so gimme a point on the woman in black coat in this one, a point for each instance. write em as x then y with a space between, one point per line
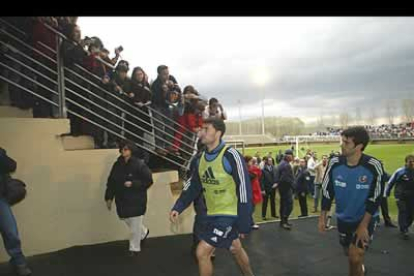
128 182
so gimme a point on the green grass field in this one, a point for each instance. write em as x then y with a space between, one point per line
392 155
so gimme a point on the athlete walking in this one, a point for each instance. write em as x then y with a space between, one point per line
355 181
221 174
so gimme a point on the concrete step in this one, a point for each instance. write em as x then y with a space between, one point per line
82 142
14 112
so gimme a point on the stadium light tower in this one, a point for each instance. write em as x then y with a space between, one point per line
261 77
240 119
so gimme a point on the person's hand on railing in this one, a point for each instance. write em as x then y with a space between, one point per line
118 89
131 95
140 104
105 79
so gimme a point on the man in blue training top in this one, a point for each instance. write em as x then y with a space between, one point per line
221 175
355 181
403 179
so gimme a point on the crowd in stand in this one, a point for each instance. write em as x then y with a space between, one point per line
401 130
125 105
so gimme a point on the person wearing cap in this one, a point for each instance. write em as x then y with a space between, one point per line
221 175
285 181
128 183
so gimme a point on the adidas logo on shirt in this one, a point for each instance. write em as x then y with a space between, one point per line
208 177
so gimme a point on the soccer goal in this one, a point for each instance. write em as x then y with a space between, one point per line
302 143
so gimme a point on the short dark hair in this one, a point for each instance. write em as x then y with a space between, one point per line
410 156
217 123
161 68
212 101
358 134
247 158
190 89
68 30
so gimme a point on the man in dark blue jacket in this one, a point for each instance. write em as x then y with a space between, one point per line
221 175
284 182
301 187
403 180
8 225
267 182
355 181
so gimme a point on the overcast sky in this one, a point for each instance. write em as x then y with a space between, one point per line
302 66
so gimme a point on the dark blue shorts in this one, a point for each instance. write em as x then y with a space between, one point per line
347 232
219 232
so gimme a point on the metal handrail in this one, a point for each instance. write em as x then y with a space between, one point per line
26 56
125 102
26 77
149 107
120 136
103 118
27 90
31 48
123 119
108 111
13 27
31 69
46 47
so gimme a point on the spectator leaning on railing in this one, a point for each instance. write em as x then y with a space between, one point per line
215 110
94 65
190 117
44 38
120 85
160 91
73 53
139 96
104 55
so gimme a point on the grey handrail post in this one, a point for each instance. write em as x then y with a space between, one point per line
61 79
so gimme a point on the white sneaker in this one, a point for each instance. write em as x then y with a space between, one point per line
255 226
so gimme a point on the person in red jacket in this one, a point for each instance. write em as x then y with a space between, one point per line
189 119
255 176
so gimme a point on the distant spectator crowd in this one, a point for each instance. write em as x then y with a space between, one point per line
401 130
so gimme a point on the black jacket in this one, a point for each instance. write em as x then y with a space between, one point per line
132 201
285 176
158 97
7 166
72 53
268 178
302 180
